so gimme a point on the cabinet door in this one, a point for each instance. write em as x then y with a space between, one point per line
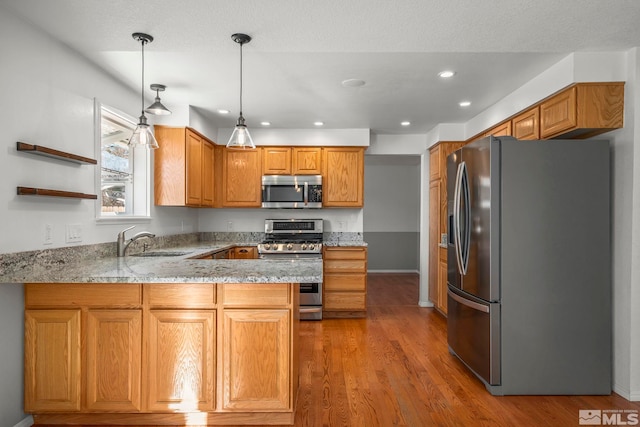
503 129
245 252
558 113
180 359
434 163
207 173
256 359
194 169
276 161
526 126
307 161
343 184
442 286
241 178
52 361
113 356
434 239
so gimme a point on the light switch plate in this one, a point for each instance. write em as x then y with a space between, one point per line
74 233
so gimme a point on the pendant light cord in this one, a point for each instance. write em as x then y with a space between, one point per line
142 90
241 79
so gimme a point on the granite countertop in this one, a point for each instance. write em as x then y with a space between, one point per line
174 267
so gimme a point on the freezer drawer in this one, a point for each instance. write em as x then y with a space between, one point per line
473 334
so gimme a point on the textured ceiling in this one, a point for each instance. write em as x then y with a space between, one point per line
302 50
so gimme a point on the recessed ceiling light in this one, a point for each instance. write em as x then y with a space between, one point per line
223 111
353 83
405 123
318 123
446 74
464 103
265 123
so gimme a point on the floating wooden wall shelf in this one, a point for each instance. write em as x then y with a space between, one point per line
50 152
30 191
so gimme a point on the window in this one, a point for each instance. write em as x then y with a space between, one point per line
124 170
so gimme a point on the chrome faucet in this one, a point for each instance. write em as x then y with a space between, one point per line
122 245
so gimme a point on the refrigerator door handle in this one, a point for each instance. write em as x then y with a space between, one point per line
466 242
456 218
471 304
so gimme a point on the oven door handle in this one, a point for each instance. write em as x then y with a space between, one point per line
311 310
306 193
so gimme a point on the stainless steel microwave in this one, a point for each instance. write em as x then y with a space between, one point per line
292 191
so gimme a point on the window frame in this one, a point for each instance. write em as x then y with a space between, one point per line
141 159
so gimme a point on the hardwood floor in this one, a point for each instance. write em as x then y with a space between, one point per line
394 369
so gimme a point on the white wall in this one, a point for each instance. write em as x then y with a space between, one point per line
48 99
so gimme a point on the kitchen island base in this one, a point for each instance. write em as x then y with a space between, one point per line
161 353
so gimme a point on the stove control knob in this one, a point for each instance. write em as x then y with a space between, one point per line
289 246
304 246
267 246
312 246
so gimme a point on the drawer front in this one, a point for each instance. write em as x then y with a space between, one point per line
345 253
345 266
344 301
345 282
180 295
109 295
255 294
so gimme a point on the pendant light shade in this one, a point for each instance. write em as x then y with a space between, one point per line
240 138
157 108
142 134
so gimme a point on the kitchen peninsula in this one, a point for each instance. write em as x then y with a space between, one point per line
162 338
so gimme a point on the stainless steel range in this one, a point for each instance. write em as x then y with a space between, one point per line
295 239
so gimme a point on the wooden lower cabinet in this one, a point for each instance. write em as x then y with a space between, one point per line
180 360
344 281
113 364
52 373
256 359
148 354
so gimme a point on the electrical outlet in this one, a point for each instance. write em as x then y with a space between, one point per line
229 225
341 225
74 233
47 237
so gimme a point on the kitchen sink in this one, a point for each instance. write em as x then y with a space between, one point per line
160 253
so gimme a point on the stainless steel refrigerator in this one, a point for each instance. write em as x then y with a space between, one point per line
529 265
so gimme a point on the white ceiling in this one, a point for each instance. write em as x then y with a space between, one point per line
302 50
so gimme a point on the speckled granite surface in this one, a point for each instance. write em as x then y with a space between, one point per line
98 264
343 239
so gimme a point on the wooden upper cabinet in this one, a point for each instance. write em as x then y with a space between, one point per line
291 160
583 110
527 125
240 185
183 164
503 129
434 163
343 176
276 160
307 161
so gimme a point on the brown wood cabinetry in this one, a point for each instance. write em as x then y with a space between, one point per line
245 252
291 160
526 126
582 111
132 354
183 168
343 176
438 221
276 160
238 178
503 129
344 281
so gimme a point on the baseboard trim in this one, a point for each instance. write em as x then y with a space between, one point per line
632 396
394 271
27 422
427 304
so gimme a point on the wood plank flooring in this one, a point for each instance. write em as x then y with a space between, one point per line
394 369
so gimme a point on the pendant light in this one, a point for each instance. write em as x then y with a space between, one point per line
240 138
142 135
157 108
